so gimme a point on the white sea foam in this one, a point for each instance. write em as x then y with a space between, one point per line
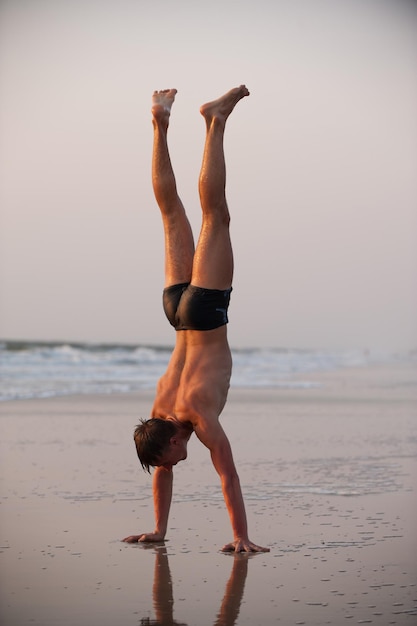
39 370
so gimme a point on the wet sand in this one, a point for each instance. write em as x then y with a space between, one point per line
328 475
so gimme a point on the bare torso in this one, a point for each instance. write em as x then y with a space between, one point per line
195 385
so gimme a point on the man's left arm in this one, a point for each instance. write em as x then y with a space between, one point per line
214 438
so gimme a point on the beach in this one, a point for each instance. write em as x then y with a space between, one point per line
328 474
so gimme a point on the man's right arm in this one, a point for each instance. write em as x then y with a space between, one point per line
162 496
212 435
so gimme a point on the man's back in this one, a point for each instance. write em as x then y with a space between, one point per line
196 382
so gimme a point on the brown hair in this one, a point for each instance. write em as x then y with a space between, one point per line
151 437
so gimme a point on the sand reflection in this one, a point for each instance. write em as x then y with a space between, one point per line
163 597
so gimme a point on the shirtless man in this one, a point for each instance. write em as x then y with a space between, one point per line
198 282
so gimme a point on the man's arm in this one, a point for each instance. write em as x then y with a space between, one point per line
214 437
162 495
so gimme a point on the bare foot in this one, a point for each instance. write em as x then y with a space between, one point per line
162 102
222 107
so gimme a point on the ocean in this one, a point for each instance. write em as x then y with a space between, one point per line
47 369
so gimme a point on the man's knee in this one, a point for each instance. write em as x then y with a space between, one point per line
218 218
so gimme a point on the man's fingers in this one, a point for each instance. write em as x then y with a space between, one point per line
229 547
151 538
132 539
143 538
254 548
238 546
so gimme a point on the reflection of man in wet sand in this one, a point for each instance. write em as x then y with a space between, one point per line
163 597
193 391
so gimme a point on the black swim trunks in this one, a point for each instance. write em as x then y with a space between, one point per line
194 308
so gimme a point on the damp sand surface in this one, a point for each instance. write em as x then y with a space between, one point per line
328 475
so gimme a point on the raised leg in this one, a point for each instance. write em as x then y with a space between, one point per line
179 242
213 259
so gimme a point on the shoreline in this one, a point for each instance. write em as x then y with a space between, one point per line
64 371
377 375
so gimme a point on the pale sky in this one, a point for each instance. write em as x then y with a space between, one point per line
321 158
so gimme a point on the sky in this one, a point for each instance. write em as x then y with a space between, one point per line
321 166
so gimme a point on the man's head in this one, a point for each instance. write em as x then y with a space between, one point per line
158 443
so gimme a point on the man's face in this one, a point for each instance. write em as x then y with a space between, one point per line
173 454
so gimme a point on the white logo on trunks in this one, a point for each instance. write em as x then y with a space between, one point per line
223 311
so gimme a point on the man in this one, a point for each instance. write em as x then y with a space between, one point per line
198 282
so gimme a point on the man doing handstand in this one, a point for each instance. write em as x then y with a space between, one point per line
198 282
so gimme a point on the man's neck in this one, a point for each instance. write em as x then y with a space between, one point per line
184 428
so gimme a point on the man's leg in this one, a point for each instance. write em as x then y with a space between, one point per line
179 242
213 259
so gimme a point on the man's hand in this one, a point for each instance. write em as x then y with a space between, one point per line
243 546
144 537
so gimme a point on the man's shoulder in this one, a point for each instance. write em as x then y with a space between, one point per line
197 417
